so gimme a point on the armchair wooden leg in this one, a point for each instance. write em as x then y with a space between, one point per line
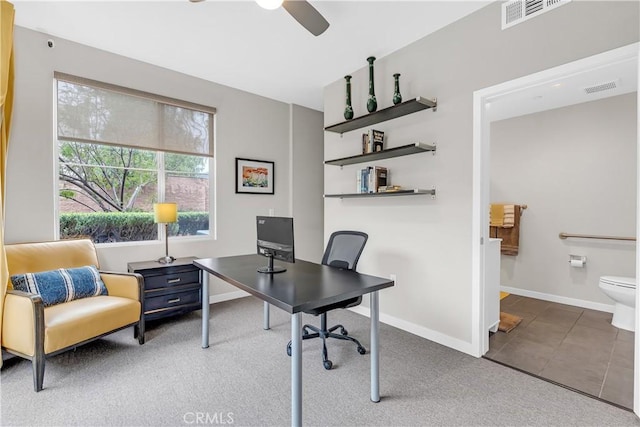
38 371
37 363
139 331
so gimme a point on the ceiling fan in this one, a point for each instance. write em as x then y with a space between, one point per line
301 10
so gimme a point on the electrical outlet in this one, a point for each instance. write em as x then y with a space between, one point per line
271 212
393 277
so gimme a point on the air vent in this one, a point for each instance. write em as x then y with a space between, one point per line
517 11
602 87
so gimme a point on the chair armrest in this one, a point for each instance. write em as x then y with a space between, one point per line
22 322
126 285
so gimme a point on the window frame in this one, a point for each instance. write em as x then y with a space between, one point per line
160 167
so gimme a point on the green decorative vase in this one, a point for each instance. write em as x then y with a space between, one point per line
397 98
348 110
372 103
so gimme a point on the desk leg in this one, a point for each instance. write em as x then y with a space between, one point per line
265 324
296 369
375 355
205 309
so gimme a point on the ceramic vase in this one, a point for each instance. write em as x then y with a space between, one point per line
348 110
372 103
397 98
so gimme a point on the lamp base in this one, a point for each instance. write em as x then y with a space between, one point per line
166 259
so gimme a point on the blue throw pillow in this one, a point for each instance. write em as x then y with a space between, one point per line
61 285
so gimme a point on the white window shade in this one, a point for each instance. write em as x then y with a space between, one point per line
95 112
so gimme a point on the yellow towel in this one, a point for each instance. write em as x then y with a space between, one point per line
502 215
497 215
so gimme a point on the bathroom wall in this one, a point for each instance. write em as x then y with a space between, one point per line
575 169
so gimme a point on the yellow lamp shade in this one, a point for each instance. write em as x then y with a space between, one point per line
165 212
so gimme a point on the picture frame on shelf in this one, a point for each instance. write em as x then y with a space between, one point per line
254 176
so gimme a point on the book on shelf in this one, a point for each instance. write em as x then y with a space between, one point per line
389 188
365 180
371 178
365 143
372 141
376 140
381 177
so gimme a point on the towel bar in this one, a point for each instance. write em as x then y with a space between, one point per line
590 236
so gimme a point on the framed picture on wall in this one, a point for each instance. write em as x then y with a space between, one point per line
254 176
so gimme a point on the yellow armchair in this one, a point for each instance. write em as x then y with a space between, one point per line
33 331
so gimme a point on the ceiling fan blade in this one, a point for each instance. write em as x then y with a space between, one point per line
306 15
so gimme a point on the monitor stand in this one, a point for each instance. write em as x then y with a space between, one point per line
269 268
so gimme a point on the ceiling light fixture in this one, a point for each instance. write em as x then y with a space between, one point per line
269 4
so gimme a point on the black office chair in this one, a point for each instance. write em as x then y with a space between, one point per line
343 251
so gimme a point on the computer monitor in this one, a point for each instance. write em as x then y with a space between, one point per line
275 240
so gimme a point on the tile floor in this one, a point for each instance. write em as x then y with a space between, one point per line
573 346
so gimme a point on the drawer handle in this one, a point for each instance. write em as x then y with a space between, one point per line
173 300
173 280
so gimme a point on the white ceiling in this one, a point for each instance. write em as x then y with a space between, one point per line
567 91
239 44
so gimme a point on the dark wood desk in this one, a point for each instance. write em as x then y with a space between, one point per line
305 285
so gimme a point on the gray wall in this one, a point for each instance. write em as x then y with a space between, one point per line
427 243
32 177
307 186
575 168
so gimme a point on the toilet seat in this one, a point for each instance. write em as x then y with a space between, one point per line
623 282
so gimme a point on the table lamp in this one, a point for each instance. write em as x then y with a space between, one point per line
165 213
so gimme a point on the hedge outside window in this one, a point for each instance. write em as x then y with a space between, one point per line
122 150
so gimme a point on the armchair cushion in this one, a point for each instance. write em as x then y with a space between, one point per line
61 285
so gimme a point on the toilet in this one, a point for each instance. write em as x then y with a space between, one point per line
623 291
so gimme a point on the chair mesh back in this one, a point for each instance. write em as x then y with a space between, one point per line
344 249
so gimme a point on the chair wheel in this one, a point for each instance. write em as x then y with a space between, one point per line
289 350
328 364
362 350
344 332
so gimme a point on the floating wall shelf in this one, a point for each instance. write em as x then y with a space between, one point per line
404 150
414 192
395 111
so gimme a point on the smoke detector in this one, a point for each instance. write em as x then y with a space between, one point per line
517 11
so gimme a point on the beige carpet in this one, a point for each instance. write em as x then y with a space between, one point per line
243 379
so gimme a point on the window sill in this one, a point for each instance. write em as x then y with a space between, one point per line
196 238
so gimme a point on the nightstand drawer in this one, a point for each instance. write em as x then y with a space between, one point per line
169 289
168 280
176 299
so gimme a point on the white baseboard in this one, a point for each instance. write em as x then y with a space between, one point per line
227 296
420 331
608 308
412 328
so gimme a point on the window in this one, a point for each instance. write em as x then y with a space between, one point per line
120 151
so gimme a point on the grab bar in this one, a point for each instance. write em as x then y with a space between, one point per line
589 236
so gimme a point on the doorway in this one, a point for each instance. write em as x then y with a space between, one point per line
482 104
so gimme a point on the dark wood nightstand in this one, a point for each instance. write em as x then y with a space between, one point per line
169 289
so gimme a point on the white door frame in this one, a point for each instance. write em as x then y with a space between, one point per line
481 178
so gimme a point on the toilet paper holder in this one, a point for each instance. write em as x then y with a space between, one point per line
577 260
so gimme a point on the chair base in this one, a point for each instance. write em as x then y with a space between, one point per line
324 333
